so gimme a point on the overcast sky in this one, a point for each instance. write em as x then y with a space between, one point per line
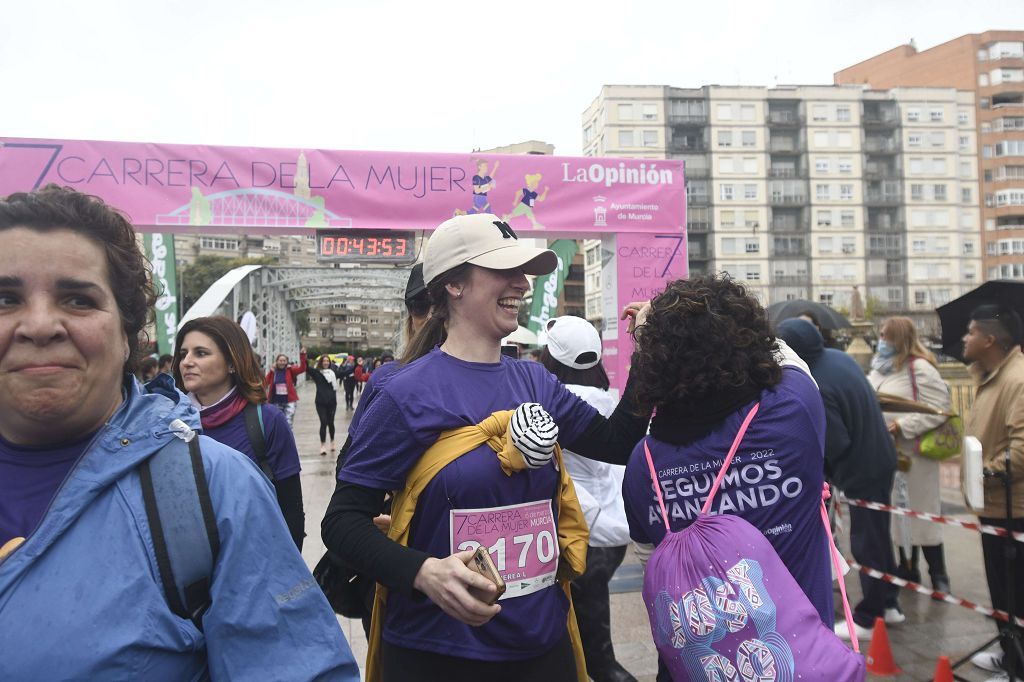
417 76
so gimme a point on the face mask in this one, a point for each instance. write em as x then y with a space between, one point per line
885 349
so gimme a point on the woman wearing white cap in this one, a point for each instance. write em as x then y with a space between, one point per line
456 378
573 355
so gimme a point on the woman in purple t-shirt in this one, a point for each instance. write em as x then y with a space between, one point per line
454 376
704 356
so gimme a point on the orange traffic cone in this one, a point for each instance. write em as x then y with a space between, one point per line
943 670
879 658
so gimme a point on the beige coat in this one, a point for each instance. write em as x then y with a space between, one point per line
923 478
996 418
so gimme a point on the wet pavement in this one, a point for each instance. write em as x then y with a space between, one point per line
932 628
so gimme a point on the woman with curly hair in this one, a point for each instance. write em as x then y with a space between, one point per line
705 356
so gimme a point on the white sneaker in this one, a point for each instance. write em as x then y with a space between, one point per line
989 660
893 616
842 631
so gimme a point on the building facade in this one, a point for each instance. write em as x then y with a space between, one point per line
991 65
811 191
344 326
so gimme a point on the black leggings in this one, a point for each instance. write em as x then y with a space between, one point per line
326 414
399 664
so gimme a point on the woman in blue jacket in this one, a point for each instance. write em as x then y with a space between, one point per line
81 593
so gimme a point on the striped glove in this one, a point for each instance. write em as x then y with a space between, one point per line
534 433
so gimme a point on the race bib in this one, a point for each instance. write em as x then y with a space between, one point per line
521 538
280 389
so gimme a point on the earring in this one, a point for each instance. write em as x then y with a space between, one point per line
459 295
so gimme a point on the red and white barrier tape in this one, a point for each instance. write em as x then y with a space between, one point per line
935 518
935 594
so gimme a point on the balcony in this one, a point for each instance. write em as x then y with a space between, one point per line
877 198
791 252
880 173
688 146
791 280
893 226
698 227
697 200
785 146
700 254
787 172
787 199
874 119
696 171
885 251
687 119
877 145
784 119
796 228
889 278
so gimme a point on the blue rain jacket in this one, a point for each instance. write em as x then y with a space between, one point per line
81 599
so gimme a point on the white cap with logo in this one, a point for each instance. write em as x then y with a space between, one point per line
573 341
482 239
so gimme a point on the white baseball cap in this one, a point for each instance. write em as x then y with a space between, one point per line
482 239
573 342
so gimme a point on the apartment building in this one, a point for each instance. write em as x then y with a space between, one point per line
991 65
810 191
350 325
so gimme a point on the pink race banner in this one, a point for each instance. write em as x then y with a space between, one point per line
190 188
644 264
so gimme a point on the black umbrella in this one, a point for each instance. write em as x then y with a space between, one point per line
956 315
827 317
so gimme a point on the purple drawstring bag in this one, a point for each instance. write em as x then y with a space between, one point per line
724 608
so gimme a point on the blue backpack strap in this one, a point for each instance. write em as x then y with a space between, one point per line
257 437
183 526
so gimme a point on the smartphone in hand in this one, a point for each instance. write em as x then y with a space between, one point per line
481 563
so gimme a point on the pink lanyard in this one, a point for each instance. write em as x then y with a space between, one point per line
825 494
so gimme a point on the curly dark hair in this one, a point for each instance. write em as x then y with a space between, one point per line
61 208
704 337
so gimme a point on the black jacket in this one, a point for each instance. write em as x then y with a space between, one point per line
860 456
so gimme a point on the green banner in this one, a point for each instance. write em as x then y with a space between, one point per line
160 250
546 288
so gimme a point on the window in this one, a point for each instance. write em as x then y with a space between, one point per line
594 255
750 192
625 112
963 117
824 244
919 245
846 192
728 246
748 138
935 115
917 192
937 139
746 112
965 195
650 112
916 166
728 219
820 139
846 218
724 138
724 112
845 165
844 140
939 192
753 273
826 298
749 165
849 245
843 113
821 192
964 141
650 138
819 113
726 192
821 165
968 248
625 138
752 245
750 219
725 165
218 243
914 140
913 115
920 297
824 218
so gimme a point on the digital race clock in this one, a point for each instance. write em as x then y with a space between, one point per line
386 246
